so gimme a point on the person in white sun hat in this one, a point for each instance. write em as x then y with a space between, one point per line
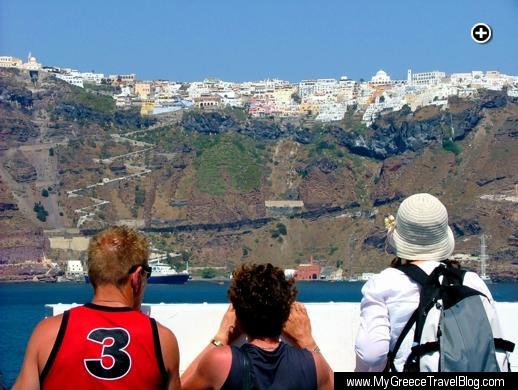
419 235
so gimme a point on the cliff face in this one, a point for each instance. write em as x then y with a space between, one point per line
202 180
398 132
264 130
23 246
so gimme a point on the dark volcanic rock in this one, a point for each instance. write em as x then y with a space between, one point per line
16 128
397 132
208 122
14 96
483 182
493 99
375 240
131 119
466 227
264 130
389 199
326 165
6 206
513 239
392 134
20 96
20 169
126 119
302 136
506 254
118 167
218 122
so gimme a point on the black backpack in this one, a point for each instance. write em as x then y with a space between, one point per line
455 327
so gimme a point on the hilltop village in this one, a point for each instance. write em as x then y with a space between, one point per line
324 100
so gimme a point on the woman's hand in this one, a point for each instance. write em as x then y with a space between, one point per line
229 328
298 327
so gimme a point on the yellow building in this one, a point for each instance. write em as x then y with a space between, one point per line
143 90
10 62
282 96
147 107
308 108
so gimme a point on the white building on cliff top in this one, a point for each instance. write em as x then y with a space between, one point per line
10 62
425 78
381 77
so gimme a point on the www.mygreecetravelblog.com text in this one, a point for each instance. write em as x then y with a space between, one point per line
386 381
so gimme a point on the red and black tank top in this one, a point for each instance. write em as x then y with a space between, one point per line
105 348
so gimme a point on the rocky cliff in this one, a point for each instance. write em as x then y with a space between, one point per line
202 179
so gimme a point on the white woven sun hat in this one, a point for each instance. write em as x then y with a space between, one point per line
421 230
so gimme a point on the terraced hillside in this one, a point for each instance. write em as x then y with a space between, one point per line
199 182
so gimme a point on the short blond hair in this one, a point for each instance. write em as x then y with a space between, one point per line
113 252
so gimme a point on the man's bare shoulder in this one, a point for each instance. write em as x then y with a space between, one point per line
166 335
43 338
48 328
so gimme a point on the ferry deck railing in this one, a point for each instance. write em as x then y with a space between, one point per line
334 325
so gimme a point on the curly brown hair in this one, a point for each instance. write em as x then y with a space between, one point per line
262 298
112 253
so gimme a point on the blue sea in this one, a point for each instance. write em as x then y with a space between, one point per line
22 306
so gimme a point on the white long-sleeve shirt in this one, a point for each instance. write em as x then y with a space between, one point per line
389 299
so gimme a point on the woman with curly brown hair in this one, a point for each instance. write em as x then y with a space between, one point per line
263 307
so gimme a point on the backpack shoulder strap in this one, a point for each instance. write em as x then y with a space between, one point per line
392 354
415 273
454 276
429 290
419 276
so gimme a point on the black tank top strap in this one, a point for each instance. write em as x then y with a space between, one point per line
284 368
55 348
234 378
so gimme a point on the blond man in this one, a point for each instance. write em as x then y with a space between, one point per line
107 343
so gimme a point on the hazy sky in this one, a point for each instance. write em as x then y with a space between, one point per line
239 40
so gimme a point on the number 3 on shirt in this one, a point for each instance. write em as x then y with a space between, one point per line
114 362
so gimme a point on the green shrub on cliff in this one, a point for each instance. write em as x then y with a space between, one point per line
40 211
451 146
280 230
231 160
104 104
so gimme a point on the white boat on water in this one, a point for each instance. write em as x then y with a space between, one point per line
163 273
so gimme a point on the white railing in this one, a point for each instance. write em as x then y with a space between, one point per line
334 327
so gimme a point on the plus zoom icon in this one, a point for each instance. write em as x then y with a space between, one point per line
481 33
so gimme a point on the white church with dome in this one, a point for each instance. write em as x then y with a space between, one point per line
381 77
32 63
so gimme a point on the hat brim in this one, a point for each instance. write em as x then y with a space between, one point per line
435 252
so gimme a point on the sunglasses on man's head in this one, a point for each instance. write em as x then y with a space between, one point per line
145 268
